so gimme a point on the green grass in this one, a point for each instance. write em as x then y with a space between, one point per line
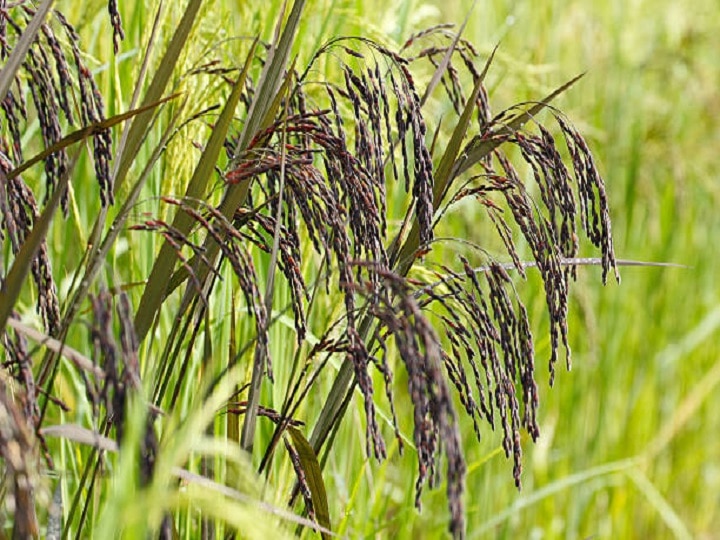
629 441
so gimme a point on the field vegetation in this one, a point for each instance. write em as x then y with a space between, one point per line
321 268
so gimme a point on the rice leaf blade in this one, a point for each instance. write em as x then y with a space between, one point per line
86 132
313 474
17 56
445 62
443 174
165 68
481 148
165 262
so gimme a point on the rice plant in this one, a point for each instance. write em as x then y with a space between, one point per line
300 257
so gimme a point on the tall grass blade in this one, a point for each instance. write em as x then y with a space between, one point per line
444 173
197 187
181 274
313 475
260 362
271 78
220 489
80 360
99 225
662 506
81 435
207 469
165 68
481 148
565 483
98 257
574 261
445 62
699 394
263 106
232 420
86 132
17 56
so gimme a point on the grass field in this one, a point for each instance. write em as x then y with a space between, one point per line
629 444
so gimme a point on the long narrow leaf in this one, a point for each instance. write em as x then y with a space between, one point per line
86 132
98 257
15 60
476 150
80 360
443 174
233 421
445 62
193 478
313 475
181 274
264 98
82 435
262 108
99 225
165 68
260 361
271 78
573 261
165 262
480 148
49 361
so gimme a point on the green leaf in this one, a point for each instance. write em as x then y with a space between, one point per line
181 274
261 108
443 174
98 257
479 148
260 361
80 360
313 474
165 262
165 68
271 78
264 101
442 67
12 64
233 421
86 132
